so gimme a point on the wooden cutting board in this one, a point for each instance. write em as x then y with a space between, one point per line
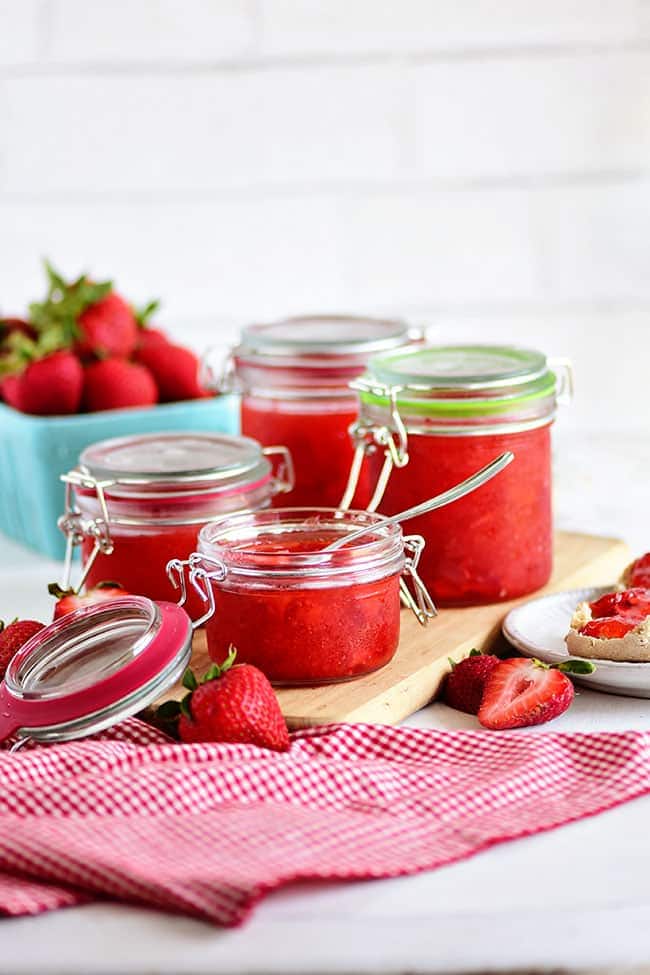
414 675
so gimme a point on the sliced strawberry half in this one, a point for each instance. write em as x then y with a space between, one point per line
520 692
68 600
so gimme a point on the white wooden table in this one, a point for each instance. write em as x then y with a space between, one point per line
576 898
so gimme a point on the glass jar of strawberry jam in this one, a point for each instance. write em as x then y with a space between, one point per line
134 503
302 615
294 379
429 418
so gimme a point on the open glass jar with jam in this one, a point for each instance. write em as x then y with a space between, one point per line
134 503
293 376
431 416
301 614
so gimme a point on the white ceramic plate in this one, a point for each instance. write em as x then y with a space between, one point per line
537 629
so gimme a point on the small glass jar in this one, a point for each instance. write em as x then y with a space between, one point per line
294 379
431 417
304 616
134 503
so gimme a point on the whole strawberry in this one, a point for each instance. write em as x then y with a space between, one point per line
229 704
463 688
519 692
88 315
175 369
12 638
115 384
67 600
46 386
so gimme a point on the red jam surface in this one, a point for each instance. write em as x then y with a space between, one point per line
639 572
616 613
139 560
305 635
319 443
492 545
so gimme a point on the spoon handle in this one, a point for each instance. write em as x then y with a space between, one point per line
453 494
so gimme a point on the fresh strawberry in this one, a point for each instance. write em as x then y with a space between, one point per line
526 692
230 704
47 386
68 600
114 384
12 638
107 328
150 338
638 574
175 369
87 313
463 688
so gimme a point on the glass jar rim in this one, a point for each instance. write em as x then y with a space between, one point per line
323 339
384 549
169 469
513 380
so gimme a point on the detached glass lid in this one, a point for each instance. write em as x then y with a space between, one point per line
159 462
338 335
460 378
93 668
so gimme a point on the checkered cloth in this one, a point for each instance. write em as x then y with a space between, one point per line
207 830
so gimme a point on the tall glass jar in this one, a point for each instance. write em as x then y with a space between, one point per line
300 614
432 416
134 503
294 379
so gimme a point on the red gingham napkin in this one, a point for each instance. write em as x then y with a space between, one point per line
207 830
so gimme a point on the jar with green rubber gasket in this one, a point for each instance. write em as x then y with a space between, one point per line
430 417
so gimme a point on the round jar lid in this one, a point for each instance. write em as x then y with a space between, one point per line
328 335
93 668
172 462
463 380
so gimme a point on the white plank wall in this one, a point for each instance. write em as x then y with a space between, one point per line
481 167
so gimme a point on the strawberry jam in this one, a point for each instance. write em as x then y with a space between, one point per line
294 377
617 613
304 616
137 502
639 572
454 410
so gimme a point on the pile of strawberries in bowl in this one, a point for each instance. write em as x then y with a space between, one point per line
84 348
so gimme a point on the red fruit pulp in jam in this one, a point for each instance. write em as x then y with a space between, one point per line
639 573
616 613
494 544
139 560
300 635
318 440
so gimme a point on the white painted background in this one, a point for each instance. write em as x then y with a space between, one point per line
481 167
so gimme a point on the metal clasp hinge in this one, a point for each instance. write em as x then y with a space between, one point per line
75 529
200 578
419 601
563 369
284 477
367 437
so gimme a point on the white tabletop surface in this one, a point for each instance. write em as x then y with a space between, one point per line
575 898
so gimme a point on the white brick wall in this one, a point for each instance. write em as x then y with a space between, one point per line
481 166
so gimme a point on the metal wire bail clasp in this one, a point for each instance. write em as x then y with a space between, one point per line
221 380
200 578
368 436
419 601
284 477
563 369
75 528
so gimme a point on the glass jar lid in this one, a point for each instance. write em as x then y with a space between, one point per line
460 380
170 463
324 335
94 667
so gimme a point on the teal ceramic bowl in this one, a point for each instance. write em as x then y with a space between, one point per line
35 451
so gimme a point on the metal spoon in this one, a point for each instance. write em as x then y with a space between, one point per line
439 501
